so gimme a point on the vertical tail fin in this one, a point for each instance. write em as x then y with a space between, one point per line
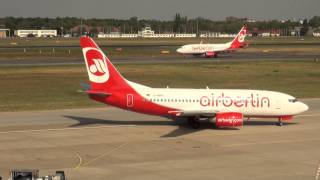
102 74
238 41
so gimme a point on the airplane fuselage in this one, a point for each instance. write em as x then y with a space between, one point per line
169 101
203 48
211 50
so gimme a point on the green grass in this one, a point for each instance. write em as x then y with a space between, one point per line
55 87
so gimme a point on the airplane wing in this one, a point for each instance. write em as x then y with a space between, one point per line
226 51
230 50
206 113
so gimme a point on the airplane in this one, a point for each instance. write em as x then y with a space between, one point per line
225 108
212 50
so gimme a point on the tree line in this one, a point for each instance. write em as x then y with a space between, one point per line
179 24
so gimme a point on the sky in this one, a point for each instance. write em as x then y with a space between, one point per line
162 9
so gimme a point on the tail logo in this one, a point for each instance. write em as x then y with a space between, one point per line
242 35
96 65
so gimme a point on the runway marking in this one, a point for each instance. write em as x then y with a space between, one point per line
318 172
270 142
64 129
98 157
80 161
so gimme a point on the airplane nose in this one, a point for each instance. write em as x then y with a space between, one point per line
179 50
304 107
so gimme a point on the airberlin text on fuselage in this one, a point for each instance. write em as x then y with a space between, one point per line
202 48
227 101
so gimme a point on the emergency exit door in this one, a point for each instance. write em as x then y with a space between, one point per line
129 100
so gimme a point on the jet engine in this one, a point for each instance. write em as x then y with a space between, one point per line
229 119
210 54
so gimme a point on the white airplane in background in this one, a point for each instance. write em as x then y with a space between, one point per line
212 50
224 107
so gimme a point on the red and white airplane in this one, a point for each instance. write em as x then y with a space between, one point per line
224 107
212 50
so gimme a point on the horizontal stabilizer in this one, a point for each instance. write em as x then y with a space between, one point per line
100 93
86 88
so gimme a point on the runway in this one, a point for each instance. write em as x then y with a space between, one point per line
174 58
108 143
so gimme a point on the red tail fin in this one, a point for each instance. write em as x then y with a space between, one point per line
238 41
102 74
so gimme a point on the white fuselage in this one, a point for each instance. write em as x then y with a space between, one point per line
203 48
252 103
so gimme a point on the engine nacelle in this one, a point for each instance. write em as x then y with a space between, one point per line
286 118
210 54
229 119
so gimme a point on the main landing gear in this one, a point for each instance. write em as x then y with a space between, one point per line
194 122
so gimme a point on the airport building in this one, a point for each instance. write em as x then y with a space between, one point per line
117 35
36 33
185 35
146 32
3 33
215 34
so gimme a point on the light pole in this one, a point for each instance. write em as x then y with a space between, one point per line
81 26
61 31
197 27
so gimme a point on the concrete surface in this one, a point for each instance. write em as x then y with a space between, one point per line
109 143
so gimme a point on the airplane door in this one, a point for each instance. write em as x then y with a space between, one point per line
129 100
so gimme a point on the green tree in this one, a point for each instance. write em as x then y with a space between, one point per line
305 27
315 22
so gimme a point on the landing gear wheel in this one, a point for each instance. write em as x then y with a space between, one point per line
193 122
279 123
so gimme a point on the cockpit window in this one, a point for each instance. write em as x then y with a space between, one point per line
293 100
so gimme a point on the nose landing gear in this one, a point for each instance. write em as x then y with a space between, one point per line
279 123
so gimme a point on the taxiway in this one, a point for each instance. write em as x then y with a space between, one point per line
109 143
